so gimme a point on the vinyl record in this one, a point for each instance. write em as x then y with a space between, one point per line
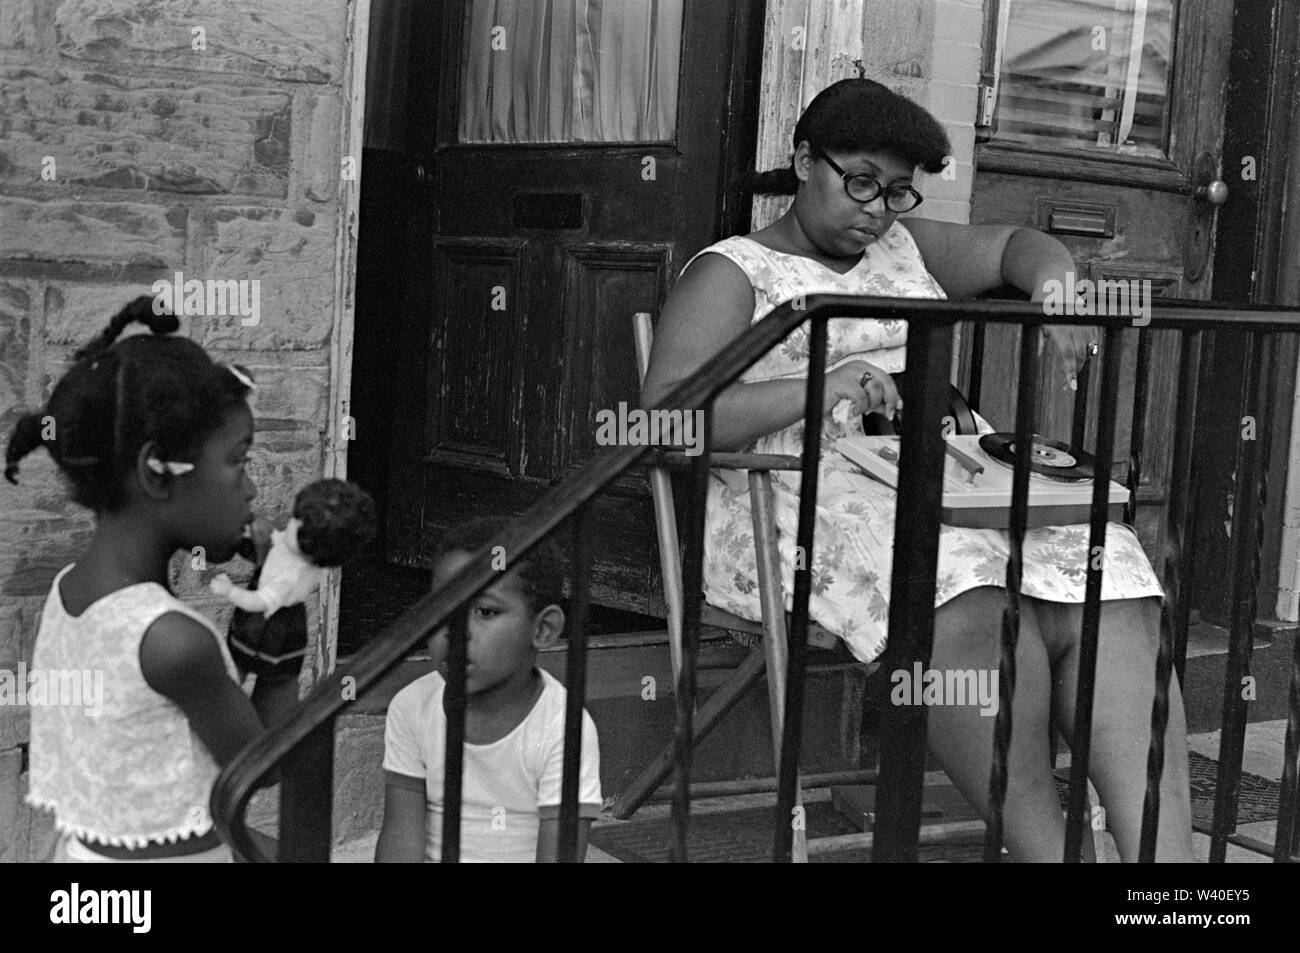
1050 458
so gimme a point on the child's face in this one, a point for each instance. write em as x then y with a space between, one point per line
504 631
211 503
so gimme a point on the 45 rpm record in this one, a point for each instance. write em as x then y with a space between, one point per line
1051 458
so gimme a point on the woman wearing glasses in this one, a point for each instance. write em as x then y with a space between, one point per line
857 147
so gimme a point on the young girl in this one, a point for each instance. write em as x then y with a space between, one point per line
153 436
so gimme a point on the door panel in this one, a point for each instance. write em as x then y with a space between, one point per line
475 359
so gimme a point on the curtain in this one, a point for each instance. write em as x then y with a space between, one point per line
570 71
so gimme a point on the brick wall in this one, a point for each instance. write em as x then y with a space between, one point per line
139 138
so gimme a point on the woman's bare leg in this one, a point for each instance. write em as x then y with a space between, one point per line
1121 719
967 633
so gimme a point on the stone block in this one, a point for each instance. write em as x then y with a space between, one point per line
291 395
14 649
15 343
26 26
290 253
120 232
320 160
75 313
358 776
35 546
282 462
13 838
299 40
121 132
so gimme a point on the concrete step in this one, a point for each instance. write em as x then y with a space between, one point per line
630 697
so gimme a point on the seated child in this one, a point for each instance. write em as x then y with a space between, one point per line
514 723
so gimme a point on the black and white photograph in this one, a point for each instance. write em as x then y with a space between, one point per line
651 431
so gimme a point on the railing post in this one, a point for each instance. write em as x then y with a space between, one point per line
1287 842
307 798
911 599
1137 431
1177 573
797 633
454 757
1081 740
1247 537
1026 412
575 684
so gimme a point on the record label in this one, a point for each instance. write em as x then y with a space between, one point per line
1050 458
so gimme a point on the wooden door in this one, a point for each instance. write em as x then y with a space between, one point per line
1099 119
574 156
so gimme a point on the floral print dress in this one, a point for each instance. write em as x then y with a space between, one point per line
853 540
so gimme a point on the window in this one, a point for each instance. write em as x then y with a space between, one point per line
1081 75
537 71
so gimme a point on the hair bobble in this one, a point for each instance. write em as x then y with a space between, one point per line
174 468
240 376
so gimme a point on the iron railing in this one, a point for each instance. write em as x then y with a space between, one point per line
302 747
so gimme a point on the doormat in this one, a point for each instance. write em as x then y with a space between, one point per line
1257 799
745 836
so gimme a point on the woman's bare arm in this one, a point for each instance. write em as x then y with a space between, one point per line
710 306
970 259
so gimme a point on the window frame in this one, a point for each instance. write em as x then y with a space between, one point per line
1170 173
447 135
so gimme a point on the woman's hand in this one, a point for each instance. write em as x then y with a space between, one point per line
1074 344
869 388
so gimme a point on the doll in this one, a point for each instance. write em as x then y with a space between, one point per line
332 520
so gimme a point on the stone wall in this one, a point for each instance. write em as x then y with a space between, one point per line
139 138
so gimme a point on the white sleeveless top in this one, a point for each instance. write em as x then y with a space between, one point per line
134 772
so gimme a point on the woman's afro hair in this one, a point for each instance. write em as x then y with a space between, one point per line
861 115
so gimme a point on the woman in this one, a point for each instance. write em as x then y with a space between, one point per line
857 147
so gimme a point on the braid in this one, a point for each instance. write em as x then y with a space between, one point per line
141 309
776 182
25 438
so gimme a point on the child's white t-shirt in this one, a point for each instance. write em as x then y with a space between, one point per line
507 786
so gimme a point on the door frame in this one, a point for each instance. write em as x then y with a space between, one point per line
434 28
1251 240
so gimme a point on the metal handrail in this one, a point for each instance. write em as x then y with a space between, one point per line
307 733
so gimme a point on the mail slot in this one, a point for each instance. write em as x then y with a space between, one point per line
1076 218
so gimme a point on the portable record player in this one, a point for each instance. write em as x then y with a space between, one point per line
978 474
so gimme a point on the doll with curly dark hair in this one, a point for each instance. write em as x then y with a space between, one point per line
332 520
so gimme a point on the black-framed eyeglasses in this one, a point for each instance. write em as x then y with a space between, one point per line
864 187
